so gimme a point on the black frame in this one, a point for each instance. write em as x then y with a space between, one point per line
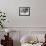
25 8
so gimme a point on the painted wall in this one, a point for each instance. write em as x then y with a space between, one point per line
35 22
37 17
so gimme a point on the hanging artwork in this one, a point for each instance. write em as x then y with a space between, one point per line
24 11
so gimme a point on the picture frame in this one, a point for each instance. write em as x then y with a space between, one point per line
24 11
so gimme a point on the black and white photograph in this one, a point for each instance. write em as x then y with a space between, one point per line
24 11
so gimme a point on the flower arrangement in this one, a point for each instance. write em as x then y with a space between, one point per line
2 19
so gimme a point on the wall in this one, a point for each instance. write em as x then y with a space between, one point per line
35 22
37 17
11 7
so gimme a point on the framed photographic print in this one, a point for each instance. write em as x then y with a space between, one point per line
24 11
